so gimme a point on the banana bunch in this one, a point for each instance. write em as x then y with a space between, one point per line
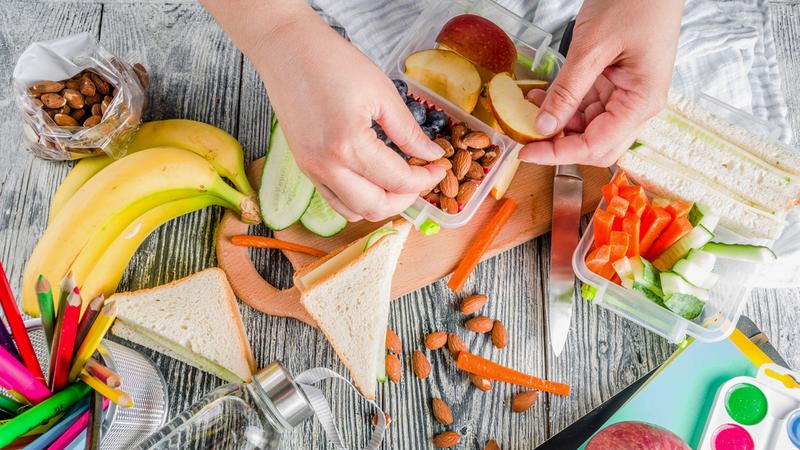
105 208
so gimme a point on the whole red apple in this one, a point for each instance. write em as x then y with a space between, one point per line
636 436
481 41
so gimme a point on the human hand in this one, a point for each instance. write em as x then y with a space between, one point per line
616 76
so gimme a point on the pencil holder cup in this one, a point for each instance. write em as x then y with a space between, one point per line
122 427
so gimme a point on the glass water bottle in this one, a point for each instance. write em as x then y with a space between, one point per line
249 416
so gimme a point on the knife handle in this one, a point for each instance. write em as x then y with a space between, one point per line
569 170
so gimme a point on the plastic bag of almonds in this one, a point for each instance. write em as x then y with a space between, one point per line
77 99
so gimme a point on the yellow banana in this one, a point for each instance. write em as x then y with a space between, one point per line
221 149
102 272
130 186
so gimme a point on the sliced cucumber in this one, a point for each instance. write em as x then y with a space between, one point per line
624 269
652 296
702 215
696 268
322 220
685 305
741 252
672 283
646 275
285 192
696 238
377 234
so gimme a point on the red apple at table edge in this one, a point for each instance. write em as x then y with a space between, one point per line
481 41
515 114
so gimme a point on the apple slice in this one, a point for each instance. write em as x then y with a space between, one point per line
483 112
481 41
513 112
529 85
448 74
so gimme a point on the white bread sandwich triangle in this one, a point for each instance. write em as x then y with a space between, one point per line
348 294
195 320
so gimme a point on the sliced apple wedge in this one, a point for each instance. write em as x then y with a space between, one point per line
448 74
529 85
513 112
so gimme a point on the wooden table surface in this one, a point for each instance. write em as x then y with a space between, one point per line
197 73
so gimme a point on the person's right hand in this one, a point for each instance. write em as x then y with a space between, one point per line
326 95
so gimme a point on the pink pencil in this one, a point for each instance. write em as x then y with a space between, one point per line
18 378
64 342
74 431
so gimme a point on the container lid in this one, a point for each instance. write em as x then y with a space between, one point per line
289 401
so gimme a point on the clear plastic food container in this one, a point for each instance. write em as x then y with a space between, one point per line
535 60
727 298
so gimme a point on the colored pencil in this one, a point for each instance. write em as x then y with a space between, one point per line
95 422
10 405
67 286
93 338
64 342
88 318
31 418
18 330
16 377
75 436
115 395
48 437
44 295
7 342
103 373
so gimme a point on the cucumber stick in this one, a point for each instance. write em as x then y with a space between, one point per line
285 192
696 238
702 215
741 252
672 283
322 220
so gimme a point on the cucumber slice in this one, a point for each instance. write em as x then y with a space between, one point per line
646 275
624 269
672 283
685 305
285 192
691 272
652 296
696 238
741 252
377 234
702 215
321 219
704 259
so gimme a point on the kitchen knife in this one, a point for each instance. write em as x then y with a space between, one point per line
567 201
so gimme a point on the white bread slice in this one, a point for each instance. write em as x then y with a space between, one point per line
348 294
665 178
195 320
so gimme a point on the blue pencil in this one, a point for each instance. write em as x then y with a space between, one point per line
44 440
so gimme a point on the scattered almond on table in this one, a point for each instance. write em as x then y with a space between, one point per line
480 382
420 365
435 340
393 368
447 439
479 324
499 334
393 343
473 303
524 400
455 344
441 412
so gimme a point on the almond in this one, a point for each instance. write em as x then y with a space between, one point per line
393 368
102 85
93 99
473 303
375 420
435 340
477 153
524 400
491 445
499 334
87 87
446 146
74 98
420 364
53 101
465 192
104 104
489 157
480 324
441 411
141 74
432 197
475 171
64 120
73 83
448 205
46 87
393 343
97 110
476 139
91 121
446 440
414 161
457 132
443 162
78 114
480 382
455 344
449 185
461 163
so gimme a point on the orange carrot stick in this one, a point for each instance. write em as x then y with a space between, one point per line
483 367
268 242
481 243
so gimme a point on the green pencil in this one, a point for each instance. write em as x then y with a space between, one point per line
41 413
10 405
44 293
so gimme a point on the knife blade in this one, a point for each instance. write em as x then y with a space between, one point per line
567 201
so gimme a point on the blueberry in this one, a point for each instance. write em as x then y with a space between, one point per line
437 120
382 135
418 111
430 132
402 87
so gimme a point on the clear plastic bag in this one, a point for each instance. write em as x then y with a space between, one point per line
60 60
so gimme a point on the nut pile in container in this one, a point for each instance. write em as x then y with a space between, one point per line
79 101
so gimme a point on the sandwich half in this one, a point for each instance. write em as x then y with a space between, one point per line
195 320
348 294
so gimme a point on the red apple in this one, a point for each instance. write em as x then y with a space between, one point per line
636 436
481 41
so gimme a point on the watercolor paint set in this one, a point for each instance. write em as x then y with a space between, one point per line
756 413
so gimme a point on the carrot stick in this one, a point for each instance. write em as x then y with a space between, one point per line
481 243
483 367
267 242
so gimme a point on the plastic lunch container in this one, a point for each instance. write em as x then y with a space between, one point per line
535 60
729 295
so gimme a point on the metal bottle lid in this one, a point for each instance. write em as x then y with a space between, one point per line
289 401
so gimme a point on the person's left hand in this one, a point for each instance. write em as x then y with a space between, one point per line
616 76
